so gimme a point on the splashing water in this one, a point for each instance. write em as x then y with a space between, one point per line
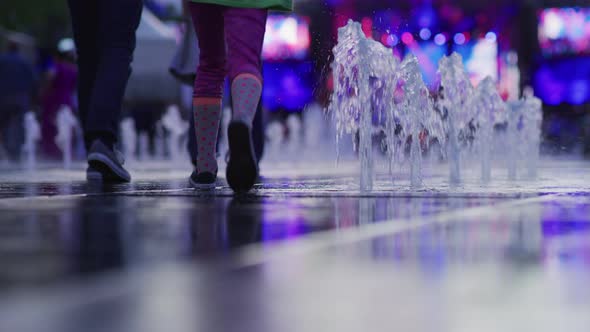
295 138
456 93
373 91
363 72
129 138
177 128
159 141
415 114
144 146
66 123
274 134
488 108
32 136
513 149
523 136
533 120
314 132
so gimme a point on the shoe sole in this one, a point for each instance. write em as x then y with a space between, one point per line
242 171
93 175
105 170
201 186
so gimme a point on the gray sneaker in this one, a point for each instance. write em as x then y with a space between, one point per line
105 165
203 181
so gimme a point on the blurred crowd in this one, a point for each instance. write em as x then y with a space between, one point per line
42 88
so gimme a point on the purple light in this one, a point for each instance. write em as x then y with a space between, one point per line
491 37
425 33
389 40
393 40
440 39
426 16
579 91
564 81
460 39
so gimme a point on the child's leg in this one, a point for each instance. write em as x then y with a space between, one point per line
244 35
208 22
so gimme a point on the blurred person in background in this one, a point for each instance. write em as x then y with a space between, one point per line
59 90
230 33
104 34
18 90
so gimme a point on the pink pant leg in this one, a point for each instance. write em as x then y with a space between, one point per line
244 34
208 21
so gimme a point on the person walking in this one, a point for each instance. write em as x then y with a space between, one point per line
59 91
18 89
104 34
230 34
183 67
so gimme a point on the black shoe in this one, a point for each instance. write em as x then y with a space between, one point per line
242 168
105 164
203 181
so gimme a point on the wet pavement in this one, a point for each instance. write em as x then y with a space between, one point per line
305 251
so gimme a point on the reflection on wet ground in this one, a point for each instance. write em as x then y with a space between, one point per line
84 234
304 252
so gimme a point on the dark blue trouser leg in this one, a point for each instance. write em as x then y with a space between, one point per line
12 130
104 32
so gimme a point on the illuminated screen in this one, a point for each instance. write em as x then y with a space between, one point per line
428 54
481 59
286 38
564 31
287 86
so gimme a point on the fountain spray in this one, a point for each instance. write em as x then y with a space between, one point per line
359 64
32 136
456 95
488 107
66 124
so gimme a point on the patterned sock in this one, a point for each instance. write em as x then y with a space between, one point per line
207 118
245 92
